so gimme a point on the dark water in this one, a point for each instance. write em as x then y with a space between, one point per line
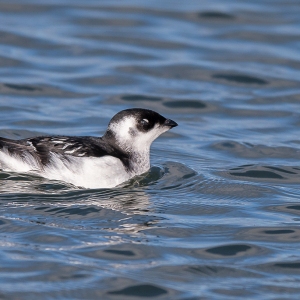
217 216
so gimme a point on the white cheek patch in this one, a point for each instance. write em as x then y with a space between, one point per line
124 129
144 140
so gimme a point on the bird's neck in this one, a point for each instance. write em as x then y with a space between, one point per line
135 161
140 162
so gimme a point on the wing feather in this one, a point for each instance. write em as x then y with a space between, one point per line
42 147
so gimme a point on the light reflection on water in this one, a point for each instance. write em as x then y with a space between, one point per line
217 215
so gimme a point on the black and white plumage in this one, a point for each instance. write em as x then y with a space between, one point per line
120 154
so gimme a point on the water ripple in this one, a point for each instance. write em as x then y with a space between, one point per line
221 200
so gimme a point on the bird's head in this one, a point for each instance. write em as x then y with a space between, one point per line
135 129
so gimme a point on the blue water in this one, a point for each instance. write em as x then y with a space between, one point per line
217 216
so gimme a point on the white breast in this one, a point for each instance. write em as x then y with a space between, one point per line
88 172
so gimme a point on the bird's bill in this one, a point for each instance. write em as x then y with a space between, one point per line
170 123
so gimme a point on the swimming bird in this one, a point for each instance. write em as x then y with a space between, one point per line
90 162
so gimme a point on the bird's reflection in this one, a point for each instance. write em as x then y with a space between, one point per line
126 210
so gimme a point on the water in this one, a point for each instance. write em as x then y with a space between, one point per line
217 216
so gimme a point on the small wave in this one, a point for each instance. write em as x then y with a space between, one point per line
242 79
247 150
214 15
232 250
284 174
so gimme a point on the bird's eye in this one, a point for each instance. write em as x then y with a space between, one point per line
144 122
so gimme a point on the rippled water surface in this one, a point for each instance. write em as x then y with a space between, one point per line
217 216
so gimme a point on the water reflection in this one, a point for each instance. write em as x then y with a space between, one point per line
217 215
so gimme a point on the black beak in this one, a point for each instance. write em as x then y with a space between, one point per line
170 123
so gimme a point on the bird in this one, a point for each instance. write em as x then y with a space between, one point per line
122 153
